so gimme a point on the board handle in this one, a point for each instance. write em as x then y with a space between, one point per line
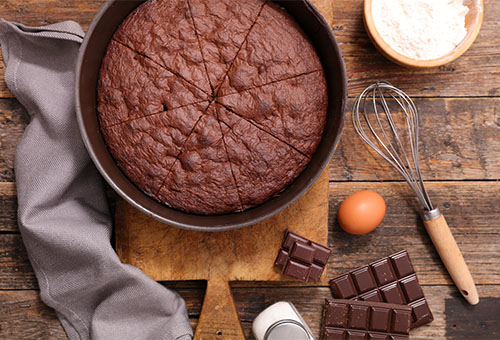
450 254
219 319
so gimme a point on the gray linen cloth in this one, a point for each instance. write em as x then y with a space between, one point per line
63 213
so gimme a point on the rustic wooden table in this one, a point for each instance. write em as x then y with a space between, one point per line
460 151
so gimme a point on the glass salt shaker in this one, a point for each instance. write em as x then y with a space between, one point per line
281 321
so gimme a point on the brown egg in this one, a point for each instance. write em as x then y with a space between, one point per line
361 212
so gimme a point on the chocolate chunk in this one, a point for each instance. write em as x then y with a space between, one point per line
282 257
291 238
296 269
392 280
302 252
351 319
321 254
301 258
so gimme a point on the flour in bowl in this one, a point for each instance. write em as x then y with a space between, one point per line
421 29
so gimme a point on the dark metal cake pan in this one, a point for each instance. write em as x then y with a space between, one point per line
87 72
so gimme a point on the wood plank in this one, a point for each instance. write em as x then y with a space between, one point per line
22 314
454 151
474 74
15 269
153 247
470 207
8 212
4 90
308 301
13 121
41 13
483 324
458 141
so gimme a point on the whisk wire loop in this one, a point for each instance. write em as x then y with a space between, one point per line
384 136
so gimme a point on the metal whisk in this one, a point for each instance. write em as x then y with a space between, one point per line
380 127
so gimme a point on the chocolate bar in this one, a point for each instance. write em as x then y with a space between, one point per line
301 258
391 279
365 320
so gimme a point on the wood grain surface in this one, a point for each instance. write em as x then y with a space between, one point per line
25 314
476 73
167 253
464 147
459 104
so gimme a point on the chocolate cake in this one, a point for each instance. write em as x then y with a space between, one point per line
211 106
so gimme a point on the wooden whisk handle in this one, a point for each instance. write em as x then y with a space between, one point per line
450 254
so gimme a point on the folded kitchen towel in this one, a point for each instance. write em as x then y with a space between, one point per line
63 214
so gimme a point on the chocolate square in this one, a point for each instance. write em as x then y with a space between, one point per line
291 238
383 272
321 254
281 259
421 310
401 320
315 272
302 252
374 296
336 315
356 335
358 317
412 289
334 334
296 269
364 279
379 319
393 294
343 287
402 264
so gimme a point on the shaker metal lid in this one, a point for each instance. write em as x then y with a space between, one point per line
287 329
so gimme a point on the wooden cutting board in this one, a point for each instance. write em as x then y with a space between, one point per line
168 253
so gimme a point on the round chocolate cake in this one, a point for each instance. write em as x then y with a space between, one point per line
211 106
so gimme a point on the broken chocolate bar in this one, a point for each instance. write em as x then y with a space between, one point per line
301 258
363 320
391 279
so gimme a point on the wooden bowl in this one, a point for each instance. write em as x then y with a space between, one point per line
473 22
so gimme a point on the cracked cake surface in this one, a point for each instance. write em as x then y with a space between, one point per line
286 109
259 172
211 107
163 31
221 27
131 86
146 148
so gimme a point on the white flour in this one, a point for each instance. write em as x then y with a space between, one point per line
421 29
